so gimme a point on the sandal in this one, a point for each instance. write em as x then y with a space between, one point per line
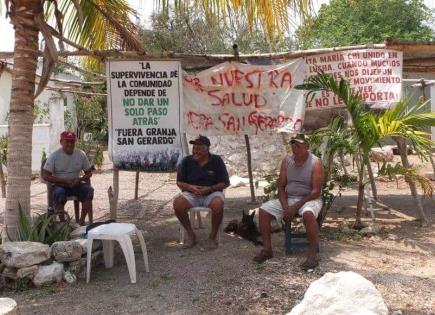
191 242
262 256
310 263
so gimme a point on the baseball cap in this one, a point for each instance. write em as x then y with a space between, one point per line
201 140
68 135
300 137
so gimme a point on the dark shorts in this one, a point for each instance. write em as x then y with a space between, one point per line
83 192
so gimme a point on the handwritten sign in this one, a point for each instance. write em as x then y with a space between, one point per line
145 108
234 98
374 73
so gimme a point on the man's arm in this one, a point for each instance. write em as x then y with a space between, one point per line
317 183
188 187
48 177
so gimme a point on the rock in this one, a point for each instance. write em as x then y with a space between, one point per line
370 230
66 251
396 312
384 154
23 254
48 274
69 277
28 272
10 272
75 267
8 306
344 293
96 244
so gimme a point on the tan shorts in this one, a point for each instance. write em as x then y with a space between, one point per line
274 208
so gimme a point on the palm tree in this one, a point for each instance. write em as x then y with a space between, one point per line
90 24
369 128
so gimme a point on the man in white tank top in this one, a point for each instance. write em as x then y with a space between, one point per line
299 192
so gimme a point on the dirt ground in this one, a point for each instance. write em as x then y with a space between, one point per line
400 261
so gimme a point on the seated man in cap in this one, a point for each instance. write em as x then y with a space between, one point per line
202 177
62 169
299 191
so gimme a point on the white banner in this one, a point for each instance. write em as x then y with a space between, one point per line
234 98
145 120
374 73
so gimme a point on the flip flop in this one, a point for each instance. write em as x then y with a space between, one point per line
189 243
262 256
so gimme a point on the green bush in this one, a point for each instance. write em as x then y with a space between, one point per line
42 228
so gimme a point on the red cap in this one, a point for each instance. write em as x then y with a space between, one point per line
68 135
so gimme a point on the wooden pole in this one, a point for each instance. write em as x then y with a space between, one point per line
251 178
136 186
2 178
113 194
248 146
422 87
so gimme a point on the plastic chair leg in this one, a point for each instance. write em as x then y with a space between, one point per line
181 234
127 249
108 249
88 259
198 217
144 249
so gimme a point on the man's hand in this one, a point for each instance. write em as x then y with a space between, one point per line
75 182
289 213
205 190
195 190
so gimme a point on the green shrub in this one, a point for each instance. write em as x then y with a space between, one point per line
43 228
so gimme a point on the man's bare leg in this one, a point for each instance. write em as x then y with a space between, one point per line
312 232
181 209
265 230
60 209
217 211
265 218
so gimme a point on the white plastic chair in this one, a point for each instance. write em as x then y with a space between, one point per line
196 211
120 232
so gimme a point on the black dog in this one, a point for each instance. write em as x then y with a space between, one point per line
246 228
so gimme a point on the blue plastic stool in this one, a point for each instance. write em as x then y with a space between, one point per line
294 239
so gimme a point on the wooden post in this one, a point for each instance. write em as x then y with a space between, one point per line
251 179
185 144
2 179
248 146
422 86
113 194
136 187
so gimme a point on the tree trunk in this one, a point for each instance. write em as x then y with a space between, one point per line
113 194
401 145
360 161
21 111
343 165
